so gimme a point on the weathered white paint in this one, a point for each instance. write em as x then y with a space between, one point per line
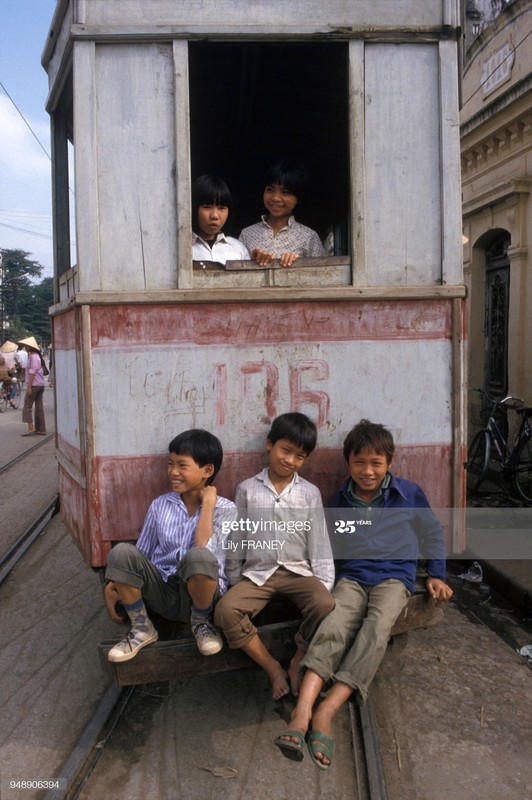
135 144
182 161
144 396
359 270
272 13
402 156
451 198
67 399
86 168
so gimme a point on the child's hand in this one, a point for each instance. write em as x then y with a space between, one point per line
262 257
111 597
208 496
287 259
438 589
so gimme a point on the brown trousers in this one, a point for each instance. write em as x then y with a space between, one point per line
243 601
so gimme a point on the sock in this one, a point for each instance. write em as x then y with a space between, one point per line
199 615
139 616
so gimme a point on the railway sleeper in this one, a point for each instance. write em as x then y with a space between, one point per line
175 655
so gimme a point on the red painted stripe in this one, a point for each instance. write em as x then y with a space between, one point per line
67 330
122 488
263 323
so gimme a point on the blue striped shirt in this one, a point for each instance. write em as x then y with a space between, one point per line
168 533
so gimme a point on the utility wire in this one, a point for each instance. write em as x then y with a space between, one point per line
27 123
512 51
25 230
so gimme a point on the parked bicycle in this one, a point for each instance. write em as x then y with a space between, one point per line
5 399
491 445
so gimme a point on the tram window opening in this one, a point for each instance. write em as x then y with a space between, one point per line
252 104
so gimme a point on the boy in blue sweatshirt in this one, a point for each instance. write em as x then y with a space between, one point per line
376 570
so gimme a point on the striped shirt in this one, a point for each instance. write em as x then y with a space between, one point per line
294 518
168 533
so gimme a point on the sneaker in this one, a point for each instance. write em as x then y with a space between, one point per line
208 638
130 645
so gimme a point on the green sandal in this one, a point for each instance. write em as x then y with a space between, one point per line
291 750
320 743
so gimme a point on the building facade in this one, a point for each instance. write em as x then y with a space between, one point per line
496 146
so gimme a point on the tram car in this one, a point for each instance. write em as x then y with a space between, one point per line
144 97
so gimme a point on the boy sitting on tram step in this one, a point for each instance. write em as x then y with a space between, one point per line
177 566
376 570
284 548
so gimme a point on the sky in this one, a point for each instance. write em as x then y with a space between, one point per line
25 170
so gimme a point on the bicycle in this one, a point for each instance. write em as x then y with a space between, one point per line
5 399
490 444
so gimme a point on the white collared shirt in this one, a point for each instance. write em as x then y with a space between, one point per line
225 248
305 551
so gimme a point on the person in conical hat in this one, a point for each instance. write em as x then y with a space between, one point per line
34 389
30 342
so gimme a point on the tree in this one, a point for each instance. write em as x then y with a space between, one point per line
23 303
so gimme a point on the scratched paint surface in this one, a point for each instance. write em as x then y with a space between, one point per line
267 323
155 371
143 398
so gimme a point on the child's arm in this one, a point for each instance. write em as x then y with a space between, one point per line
319 544
204 527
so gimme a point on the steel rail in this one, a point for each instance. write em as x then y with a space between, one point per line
11 558
369 771
79 765
26 452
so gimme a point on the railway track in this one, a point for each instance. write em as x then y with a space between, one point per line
17 459
370 783
13 555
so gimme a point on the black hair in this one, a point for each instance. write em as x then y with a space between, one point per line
204 447
210 190
297 428
291 174
369 434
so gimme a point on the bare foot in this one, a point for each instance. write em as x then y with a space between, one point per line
298 722
280 686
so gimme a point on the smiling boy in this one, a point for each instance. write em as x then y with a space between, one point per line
177 566
375 576
299 568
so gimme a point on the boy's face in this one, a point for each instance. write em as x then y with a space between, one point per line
285 458
368 470
211 219
185 475
279 201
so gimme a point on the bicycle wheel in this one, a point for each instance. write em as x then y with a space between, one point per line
523 469
3 400
16 399
477 461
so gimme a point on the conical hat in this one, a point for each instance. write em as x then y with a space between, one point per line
8 347
30 342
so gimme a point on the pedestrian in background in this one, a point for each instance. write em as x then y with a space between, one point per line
21 359
34 396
